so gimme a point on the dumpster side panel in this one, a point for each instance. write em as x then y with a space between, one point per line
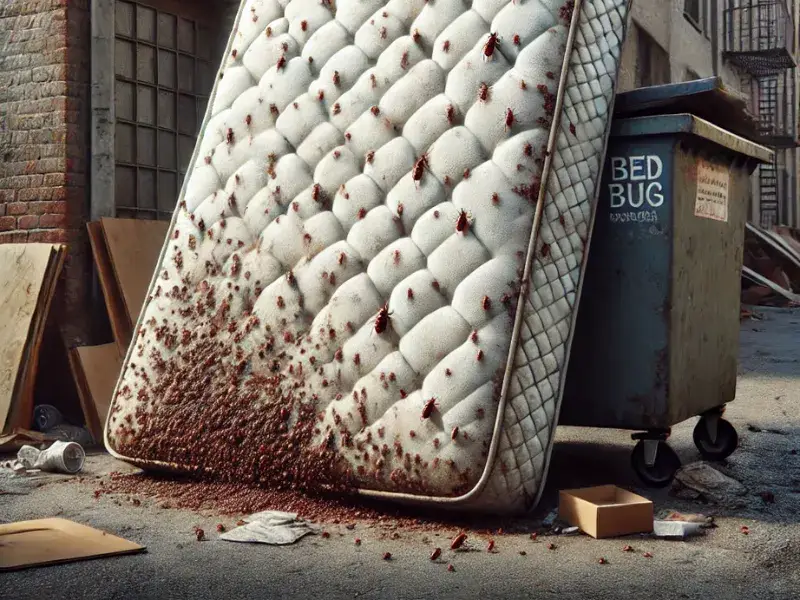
707 257
617 374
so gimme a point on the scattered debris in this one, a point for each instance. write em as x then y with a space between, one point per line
605 511
701 480
771 271
272 527
60 457
676 529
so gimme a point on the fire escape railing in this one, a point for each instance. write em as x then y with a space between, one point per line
758 38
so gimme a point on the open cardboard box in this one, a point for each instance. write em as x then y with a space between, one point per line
606 511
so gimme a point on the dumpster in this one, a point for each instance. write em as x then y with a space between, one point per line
657 341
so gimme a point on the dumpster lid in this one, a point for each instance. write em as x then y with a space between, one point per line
705 98
685 123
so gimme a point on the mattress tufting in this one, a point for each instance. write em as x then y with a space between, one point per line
372 273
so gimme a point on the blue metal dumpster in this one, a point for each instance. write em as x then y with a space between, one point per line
657 336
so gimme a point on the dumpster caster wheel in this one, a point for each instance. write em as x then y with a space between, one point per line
715 438
664 462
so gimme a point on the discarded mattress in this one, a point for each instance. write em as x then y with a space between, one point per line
371 277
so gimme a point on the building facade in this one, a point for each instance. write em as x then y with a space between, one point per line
101 101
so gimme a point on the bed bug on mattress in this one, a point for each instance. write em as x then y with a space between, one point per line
427 411
281 62
458 541
446 46
486 303
509 119
483 92
451 113
419 168
454 434
516 40
463 222
229 137
336 109
382 320
337 81
490 46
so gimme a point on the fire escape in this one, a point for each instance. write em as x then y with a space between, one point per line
759 40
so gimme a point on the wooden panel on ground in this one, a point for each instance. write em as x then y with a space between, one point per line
51 541
28 273
117 315
95 370
134 246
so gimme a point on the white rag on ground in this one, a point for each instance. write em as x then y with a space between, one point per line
270 527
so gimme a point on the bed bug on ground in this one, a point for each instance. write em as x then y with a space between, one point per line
382 320
647 555
387 556
281 62
745 530
458 541
627 548
509 119
199 534
437 552
428 408
490 546
551 546
419 168
450 567
483 92
490 46
463 222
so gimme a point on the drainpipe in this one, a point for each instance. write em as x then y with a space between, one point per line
715 55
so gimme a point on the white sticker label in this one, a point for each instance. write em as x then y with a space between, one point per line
711 201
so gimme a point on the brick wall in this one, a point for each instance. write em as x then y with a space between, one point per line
44 139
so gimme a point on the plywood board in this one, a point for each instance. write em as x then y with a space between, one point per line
117 314
95 370
51 541
134 246
25 277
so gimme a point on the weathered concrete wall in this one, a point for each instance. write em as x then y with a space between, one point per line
44 76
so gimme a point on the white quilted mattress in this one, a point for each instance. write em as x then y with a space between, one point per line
366 286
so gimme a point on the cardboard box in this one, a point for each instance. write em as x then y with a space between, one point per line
606 511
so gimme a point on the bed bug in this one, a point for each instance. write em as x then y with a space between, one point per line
336 79
369 157
437 552
483 92
419 168
372 80
303 25
486 303
451 113
229 137
199 534
446 46
362 212
234 53
375 110
269 32
336 109
273 108
281 62
427 410
627 548
479 356
545 250
489 47
463 222
416 36
448 372
454 433
516 40
509 119
404 60
396 257
495 198
382 32
551 546
745 530
647 555
523 85
490 546
450 567
458 541
336 154
382 320
321 95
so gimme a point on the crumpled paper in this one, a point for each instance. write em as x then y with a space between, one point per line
272 527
